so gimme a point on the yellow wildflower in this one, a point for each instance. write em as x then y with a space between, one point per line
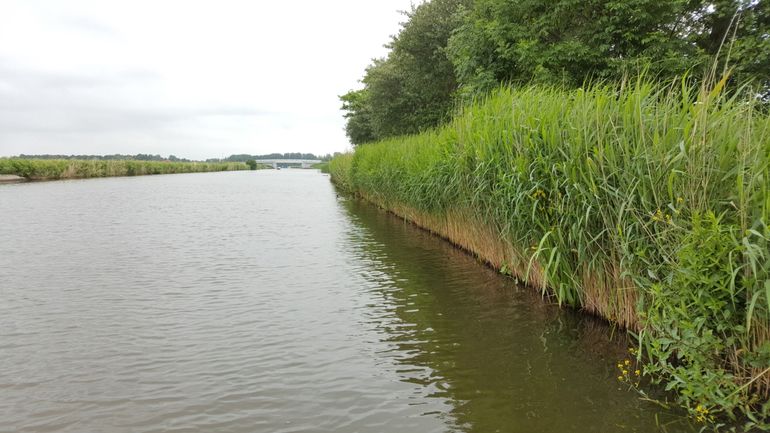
657 215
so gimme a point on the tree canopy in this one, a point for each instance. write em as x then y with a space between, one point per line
413 87
449 50
570 41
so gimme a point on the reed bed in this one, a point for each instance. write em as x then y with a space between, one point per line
646 204
46 169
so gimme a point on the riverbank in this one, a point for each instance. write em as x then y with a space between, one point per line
644 204
11 178
40 169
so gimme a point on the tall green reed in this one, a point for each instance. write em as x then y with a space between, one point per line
644 203
39 169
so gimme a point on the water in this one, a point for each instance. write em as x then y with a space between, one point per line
264 302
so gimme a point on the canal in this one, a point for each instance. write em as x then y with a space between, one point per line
266 302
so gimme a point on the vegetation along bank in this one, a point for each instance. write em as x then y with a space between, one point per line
49 169
644 201
646 204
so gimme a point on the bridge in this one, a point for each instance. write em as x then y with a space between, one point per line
304 163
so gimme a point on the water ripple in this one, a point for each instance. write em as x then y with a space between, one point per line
261 302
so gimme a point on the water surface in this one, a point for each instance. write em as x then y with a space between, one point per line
265 302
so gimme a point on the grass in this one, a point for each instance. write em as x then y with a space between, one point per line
39 169
323 166
646 204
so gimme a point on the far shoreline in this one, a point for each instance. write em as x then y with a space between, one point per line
12 178
21 170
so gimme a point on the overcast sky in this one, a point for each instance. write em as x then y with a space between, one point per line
197 79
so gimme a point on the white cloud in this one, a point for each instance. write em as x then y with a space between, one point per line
196 79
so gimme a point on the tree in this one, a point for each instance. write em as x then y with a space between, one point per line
568 41
571 41
454 49
252 164
747 45
358 127
412 88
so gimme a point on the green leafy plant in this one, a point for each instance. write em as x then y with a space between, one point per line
644 203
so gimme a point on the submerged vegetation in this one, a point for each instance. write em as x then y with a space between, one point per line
647 204
46 169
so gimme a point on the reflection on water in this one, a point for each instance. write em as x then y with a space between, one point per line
264 302
502 357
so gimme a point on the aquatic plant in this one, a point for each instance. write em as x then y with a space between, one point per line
40 169
647 204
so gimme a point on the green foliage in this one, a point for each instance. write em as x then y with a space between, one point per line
71 168
570 41
358 127
750 51
700 317
322 166
450 45
252 164
697 315
340 169
566 41
647 204
412 88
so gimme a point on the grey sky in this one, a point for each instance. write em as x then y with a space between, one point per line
196 79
